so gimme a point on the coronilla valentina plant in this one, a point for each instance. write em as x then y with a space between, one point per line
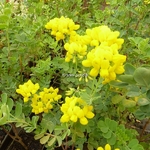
70 80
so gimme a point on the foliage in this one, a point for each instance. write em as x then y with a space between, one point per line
76 73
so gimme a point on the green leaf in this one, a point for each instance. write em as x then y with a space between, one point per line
18 109
86 97
5 109
3 26
59 140
58 132
90 147
7 11
35 120
19 124
4 98
112 140
10 103
132 94
128 103
143 111
142 102
5 114
118 84
114 2
3 120
102 126
135 40
1 114
51 142
142 76
133 143
80 134
148 94
62 127
107 135
129 69
111 124
48 125
67 133
127 78
27 129
38 136
44 139
117 98
4 18
143 44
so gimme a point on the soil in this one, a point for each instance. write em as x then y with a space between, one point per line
4 138
29 141
2 135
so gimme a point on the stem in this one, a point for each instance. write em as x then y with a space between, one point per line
129 14
8 41
66 142
137 24
95 88
51 135
144 128
72 147
57 9
84 4
8 45
15 137
19 120
21 68
62 147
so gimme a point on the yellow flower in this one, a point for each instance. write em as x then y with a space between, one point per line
94 72
75 108
64 118
104 60
61 26
104 73
80 113
86 63
107 147
83 121
43 101
89 115
27 89
74 118
75 48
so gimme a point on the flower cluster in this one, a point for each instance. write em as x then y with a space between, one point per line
102 34
65 26
104 58
75 48
41 102
75 108
107 147
27 89
97 49
61 27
